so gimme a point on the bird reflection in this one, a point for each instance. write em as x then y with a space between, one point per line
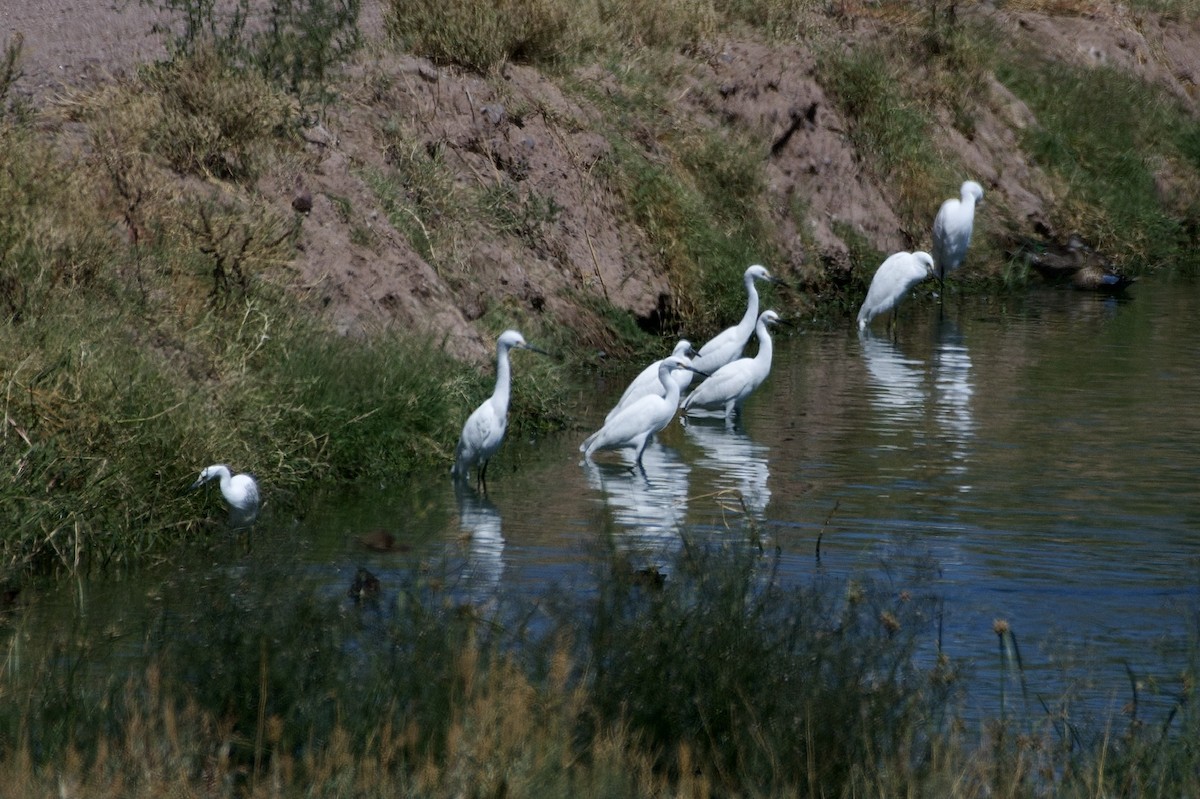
898 382
953 391
650 503
740 463
480 523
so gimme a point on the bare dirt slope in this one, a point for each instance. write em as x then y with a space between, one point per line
524 136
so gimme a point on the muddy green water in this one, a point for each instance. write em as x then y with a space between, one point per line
1035 457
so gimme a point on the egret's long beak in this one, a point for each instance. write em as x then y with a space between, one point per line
536 349
692 352
196 484
779 282
697 371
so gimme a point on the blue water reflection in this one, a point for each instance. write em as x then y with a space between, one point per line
738 465
648 504
480 524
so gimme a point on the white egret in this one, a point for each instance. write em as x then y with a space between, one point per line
894 278
727 345
637 423
732 383
647 381
240 492
952 230
484 430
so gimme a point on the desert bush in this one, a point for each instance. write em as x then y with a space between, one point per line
294 44
482 35
214 119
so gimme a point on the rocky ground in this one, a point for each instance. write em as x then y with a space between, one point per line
527 135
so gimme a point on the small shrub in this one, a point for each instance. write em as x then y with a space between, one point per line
214 119
483 34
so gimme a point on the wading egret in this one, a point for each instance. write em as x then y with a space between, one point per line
732 383
637 423
484 430
894 278
647 381
240 492
727 346
952 230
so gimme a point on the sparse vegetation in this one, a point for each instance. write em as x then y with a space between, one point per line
150 328
1111 173
720 682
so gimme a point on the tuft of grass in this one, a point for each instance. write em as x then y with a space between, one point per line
214 119
1111 172
695 195
484 35
889 127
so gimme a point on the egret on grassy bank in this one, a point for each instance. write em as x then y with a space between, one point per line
637 423
484 430
895 277
732 383
647 381
727 346
952 230
239 490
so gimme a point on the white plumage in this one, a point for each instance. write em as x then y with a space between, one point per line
647 381
952 229
727 345
239 490
894 278
484 431
636 424
731 384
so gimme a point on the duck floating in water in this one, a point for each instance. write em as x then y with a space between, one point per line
1073 263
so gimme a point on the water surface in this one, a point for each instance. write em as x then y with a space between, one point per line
1036 455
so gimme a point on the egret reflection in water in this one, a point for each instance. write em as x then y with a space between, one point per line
953 391
897 383
739 462
649 504
480 523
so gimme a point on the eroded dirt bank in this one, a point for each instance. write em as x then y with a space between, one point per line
523 136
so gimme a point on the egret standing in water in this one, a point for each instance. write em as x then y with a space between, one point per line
240 492
647 381
727 345
484 430
952 230
732 383
895 277
637 422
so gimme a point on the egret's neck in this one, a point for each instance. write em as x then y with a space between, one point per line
751 314
765 347
669 383
503 380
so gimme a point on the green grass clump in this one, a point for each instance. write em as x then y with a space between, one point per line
214 118
1109 170
696 196
890 127
482 35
